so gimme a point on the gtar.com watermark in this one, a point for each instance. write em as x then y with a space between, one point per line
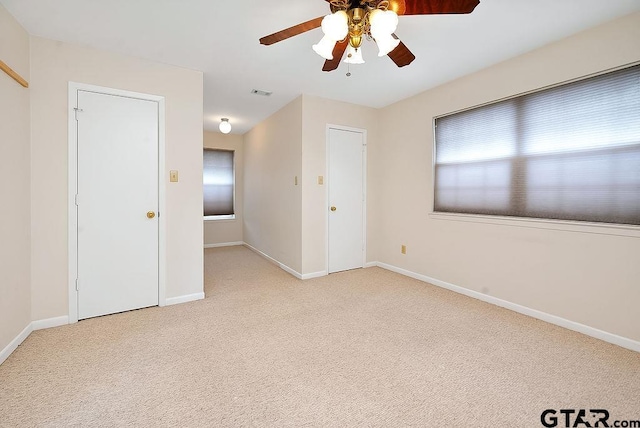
589 418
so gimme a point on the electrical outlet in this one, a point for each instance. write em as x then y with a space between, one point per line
403 249
320 180
173 176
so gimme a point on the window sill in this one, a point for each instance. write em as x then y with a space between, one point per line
562 225
219 217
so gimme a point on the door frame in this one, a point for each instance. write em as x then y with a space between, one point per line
364 189
74 87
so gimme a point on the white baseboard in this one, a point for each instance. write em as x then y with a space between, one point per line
184 299
274 261
13 345
224 244
50 322
285 267
314 275
552 319
370 264
64 320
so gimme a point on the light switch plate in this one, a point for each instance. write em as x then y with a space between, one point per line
173 176
320 180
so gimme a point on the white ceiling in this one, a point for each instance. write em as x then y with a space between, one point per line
221 39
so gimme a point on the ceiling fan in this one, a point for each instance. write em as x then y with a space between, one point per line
352 21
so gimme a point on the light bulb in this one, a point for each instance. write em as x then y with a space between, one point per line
354 56
225 126
324 48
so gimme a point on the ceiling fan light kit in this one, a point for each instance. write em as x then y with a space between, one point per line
375 20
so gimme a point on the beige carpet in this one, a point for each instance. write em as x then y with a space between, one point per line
362 348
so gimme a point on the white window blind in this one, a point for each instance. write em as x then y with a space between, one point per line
218 182
571 152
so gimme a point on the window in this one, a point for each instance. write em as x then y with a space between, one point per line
571 152
218 182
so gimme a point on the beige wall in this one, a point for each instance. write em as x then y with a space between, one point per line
15 306
587 276
53 65
272 200
227 231
317 113
285 221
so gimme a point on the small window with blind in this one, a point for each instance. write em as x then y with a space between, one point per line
218 184
571 152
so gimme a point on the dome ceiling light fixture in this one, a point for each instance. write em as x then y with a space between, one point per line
352 21
225 126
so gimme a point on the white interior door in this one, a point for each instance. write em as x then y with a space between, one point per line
346 200
117 203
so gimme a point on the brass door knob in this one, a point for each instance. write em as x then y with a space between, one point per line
333 208
151 214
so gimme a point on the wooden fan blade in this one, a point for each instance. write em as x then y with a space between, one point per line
432 7
401 55
338 51
291 31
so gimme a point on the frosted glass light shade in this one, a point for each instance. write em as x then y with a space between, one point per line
383 22
354 56
386 43
324 48
225 126
336 26
375 16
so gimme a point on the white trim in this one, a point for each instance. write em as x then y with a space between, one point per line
274 261
224 244
50 322
72 246
314 275
162 204
184 299
541 223
13 345
285 267
370 264
219 217
364 190
31 327
72 214
534 313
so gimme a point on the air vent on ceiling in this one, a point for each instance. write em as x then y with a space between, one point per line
261 92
